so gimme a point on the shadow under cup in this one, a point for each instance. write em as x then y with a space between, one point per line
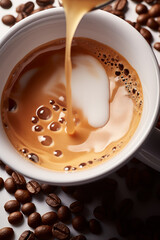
105 28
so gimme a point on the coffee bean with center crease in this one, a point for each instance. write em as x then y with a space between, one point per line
99 212
44 3
34 220
63 213
120 5
146 34
12 206
33 187
76 207
79 237
27 235
28 8
15 218
60 231
9 20
19 180
28 208
1 183
10 185
6 4
53 200
22 196
49 218
43 232
6 233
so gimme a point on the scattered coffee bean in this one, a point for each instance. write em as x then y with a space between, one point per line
151 23
142 18
154 11
22 196
49 218
137 26
34 220
47 189
6 4
19 180
63 213
79 223
12 206
53 200
2 165
79 237
1 183
157 46
9 170
28 208
99 212
33 187
76 207
20 16
6 233
28 8
146 34
27 235
125 207
43 232
60 231
9 20
20 8
120 5
9 185
44 3
15 218
94 226
141 8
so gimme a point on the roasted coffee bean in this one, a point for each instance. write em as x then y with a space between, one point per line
49 218
6 233
151 23
37 10
142 18
6 4
9 20
63 213
120 5
99 212
79 223
123 170
2 165
94 226
81 194
9 185
12 206
53 200
48 7
137 26
76 207
1 183
19 180
27 235
28 8
125 207
28 208
20 8
60 231
43 232
22 196
20 16
132 178
15 217
79 237
107 8
44 3
154 11
9 170
33 187
141 8
68 190
146 34
34 220
47 189
117 13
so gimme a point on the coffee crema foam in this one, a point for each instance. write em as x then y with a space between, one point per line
34 107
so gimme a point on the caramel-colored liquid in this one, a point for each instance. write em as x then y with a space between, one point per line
34 108
75 10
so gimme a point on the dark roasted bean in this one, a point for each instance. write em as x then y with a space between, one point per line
60 231
12 206
142 18
120 5
20 8
20 16
34 220
76 207
63 213
19 180
15 217
151 23
99 212
79 223
9 185
6 233
27 235
6 4
94 226
53 200
1 183
141 8
146 34
9 20
9 170
43 3
68 190
22 196
33 187
47 189
28 208
43 232
49 218
137 26
154 11
28 8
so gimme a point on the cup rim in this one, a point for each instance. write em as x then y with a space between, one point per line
81 177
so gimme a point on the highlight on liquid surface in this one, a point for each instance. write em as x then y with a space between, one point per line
34 106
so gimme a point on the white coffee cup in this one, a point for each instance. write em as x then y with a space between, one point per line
110 30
